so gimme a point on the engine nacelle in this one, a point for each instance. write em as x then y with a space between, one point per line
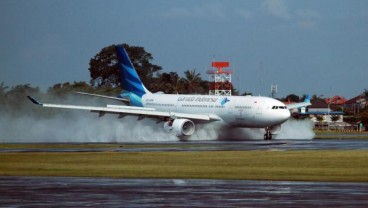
180 127
275 129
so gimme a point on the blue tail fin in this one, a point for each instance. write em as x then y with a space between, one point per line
307 99
131 83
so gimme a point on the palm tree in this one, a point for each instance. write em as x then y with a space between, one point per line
192 80
365 92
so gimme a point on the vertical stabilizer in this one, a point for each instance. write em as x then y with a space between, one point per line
130 81
307 99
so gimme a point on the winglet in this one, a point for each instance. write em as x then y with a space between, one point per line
34 100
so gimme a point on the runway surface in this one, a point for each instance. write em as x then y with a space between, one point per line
104 192
107 192
320 144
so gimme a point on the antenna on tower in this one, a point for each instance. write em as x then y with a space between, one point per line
273 90
261 77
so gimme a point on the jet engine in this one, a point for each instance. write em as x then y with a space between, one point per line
181 127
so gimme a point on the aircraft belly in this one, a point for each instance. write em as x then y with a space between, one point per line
246 120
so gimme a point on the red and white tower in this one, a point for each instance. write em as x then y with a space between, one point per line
220 80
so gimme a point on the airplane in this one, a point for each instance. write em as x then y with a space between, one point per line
181 113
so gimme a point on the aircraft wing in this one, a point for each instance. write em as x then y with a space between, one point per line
300 105
297 105
103 96
130 110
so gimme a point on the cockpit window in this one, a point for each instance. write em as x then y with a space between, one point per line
279 107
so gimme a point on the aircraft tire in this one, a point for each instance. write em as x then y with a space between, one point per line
268 136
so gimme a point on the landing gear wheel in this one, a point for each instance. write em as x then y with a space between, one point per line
268 134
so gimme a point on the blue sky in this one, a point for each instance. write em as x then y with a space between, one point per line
307 46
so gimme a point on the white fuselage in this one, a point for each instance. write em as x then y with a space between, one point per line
237 111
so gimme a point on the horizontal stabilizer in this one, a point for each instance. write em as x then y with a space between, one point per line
34 100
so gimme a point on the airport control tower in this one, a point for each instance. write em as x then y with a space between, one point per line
220 80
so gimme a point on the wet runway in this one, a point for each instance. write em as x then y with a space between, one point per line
281 145
105 192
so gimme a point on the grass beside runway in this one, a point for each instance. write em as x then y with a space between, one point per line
325 165
340 135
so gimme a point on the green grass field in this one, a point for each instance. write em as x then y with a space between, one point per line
325 165
340 135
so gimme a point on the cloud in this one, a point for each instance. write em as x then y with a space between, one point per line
277 8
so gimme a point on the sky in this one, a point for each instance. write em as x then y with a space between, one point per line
304 47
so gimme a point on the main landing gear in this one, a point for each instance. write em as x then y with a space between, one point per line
268 134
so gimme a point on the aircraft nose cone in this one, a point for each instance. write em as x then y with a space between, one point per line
286 115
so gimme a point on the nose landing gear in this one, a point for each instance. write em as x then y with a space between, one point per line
268 134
